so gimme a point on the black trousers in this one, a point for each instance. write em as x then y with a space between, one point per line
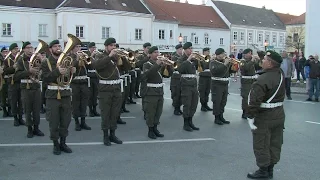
288 86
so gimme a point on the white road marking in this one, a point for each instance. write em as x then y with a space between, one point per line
232 109
87 118
311 122
100 143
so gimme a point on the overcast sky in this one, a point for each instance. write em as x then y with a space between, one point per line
294 7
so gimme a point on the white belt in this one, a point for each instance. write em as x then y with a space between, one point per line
271 105
91 71
112 82
249 77
220 79
206 70
26 81
8 76
176 72
188 76
58 87
137 69
155 85
80 77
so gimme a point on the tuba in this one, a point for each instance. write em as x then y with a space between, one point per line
65 61
34 61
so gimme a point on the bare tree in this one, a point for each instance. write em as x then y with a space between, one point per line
296 38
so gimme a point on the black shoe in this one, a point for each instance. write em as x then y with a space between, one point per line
114 138
30 133
259 174
5 112
207 107
289 98
125 110
244 116
77 128
316 100
204 109
106 139
56 148
309 99
177 112
137 95
217 120
16 121
94 110
9 112
120 121
270 170
130 101
186 125
157 132
151 133
223 120
21 121
36 131
83 124
63 146
192 125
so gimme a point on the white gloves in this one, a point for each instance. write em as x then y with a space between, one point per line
252 126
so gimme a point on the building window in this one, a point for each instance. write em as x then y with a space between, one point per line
235 35
241 36
221 41
250 37
206 38
281 39
79 31
274 38
260 37
105 32
171 34
6 29
42 30
59 32
267 38
295 37
161 34
185 39
138 34
196 40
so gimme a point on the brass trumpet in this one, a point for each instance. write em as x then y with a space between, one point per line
84 57
233 60
201 57
122 53
165 60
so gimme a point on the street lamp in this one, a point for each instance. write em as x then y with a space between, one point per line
265 45
180 39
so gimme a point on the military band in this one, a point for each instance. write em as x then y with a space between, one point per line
5 103
175 86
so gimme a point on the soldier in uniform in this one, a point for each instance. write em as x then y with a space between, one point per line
258 65
133 75
219 68
80 90
14 86
30 90
58 98
189 91
205 81
93 89
265 111
247 69
175 83
110 98
6 107
153 97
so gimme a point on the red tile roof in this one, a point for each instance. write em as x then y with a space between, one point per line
186 14
286 18
298 20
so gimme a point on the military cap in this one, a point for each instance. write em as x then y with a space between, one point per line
206 49
54 42
274 56
12 46
178 46
117 46
219 51
187 45
3 48
152 49
146 44
246 51
109 41
25 44
90 45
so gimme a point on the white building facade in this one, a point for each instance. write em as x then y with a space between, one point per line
165 35
312 28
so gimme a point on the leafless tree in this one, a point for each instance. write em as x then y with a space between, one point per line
296 38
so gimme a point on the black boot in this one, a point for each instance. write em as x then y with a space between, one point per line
36 131
9 112
63 145
114 138
94 109
130 101
106 139
120 121
224 120
16 121
21 121
56 147
244 116
259 174
91 114
5 112
77 128
192 125
203 108
157 132
151 133
137 95
207 107
83 124
177 111
125 110
30 133
186 125
217 120
270 170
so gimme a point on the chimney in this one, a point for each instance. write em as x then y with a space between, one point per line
203 2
